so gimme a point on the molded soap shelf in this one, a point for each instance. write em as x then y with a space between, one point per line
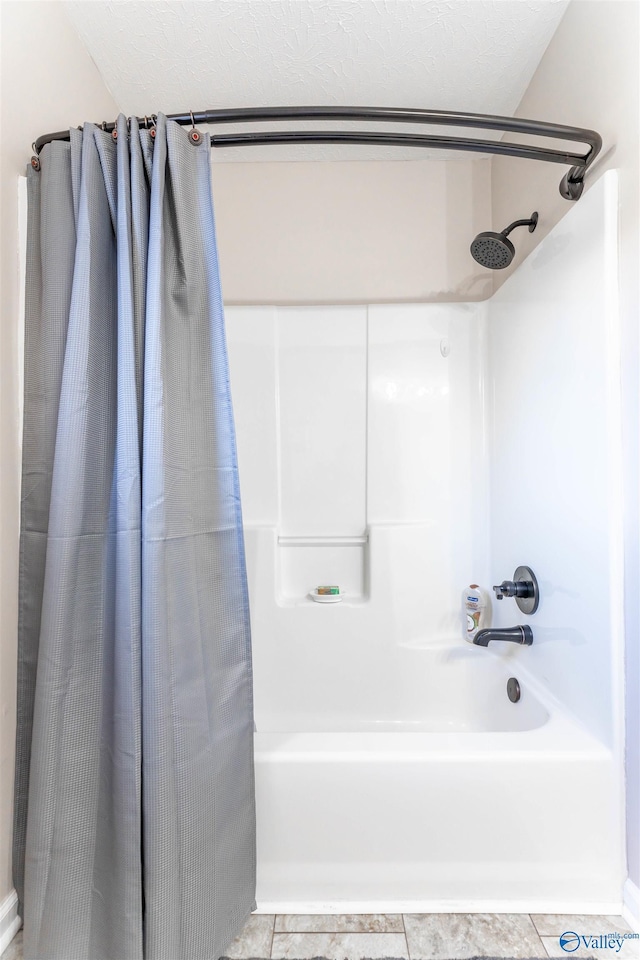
326 597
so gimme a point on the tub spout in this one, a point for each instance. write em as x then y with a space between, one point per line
519 634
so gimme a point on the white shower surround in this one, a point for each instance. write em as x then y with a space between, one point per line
389 774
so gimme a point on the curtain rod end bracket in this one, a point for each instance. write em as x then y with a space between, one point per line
572 184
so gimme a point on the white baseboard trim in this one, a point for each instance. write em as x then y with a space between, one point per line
631 905
10 922
580 907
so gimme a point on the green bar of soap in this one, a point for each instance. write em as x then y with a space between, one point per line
327 591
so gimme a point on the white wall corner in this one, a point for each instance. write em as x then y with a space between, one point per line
10 922
631 904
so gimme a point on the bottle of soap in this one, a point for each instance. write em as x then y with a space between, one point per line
476 611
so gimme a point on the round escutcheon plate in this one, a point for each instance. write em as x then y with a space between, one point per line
528 604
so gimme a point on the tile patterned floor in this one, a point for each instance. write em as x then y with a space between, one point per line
424 936
434 936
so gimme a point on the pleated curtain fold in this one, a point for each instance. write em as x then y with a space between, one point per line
134 803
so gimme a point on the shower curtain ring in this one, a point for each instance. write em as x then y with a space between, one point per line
152 132
194 135
35 159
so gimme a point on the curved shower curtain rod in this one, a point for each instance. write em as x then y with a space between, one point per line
571 185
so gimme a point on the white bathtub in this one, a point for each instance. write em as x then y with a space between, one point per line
444 796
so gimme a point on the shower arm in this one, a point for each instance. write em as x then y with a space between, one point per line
571 185
531 223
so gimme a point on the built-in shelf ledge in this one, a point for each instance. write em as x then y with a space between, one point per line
323 541
350 600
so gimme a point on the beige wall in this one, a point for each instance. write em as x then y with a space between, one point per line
589 77
48 83
355 232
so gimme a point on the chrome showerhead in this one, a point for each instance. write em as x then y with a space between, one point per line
493 250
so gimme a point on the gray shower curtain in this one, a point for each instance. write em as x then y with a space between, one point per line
134 803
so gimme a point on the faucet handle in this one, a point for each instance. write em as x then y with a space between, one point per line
524 587
512 588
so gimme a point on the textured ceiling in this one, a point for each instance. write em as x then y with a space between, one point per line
467 55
